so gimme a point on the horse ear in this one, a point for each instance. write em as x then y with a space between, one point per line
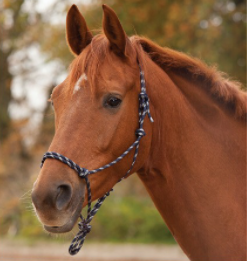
114 31
77 32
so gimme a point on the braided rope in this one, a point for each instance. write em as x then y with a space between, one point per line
84 224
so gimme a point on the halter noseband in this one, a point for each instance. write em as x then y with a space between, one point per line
84 224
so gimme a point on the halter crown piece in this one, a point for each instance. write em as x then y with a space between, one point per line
84 224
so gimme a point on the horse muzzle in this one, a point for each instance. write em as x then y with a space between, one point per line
57 203
67 226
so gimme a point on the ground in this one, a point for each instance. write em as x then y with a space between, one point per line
12 250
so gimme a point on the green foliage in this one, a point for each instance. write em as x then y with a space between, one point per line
30 226
130 219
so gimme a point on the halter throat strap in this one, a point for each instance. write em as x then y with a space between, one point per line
84 224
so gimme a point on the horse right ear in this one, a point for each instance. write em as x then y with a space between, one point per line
77 33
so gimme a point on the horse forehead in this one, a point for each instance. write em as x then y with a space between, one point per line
115 75
110 73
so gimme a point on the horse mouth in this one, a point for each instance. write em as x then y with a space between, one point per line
67 226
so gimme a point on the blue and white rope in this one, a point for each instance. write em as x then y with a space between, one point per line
84 224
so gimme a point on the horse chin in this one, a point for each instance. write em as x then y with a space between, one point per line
67 226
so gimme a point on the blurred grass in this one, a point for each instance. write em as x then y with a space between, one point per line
120 219
130 219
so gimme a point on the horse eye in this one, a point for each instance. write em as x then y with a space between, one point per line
113 102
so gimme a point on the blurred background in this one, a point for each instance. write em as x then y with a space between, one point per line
34 58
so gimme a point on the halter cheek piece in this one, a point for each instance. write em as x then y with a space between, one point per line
84 224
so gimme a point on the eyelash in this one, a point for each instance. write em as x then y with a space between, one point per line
112 102
51 102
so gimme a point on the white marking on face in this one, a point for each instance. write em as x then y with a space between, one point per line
77 85
84 77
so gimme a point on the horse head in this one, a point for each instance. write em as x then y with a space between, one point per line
96 115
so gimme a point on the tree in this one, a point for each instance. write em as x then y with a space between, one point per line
15 33
20 28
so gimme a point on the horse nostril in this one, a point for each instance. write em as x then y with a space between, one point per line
63 196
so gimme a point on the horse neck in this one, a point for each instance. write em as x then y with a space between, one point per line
195 173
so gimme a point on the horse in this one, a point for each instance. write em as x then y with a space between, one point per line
191 160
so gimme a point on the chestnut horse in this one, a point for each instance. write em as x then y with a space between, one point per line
192 159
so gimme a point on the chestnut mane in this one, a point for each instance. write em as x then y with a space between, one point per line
215 83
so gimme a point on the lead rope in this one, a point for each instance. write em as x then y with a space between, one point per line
84 224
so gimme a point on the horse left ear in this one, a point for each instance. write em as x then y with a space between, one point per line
77 32
114 31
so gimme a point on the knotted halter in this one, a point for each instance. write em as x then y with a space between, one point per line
84 224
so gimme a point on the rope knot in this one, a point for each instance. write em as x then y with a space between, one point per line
144 104
140 132
83 172
143 99
84 227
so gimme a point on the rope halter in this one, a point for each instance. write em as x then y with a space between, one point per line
84 224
